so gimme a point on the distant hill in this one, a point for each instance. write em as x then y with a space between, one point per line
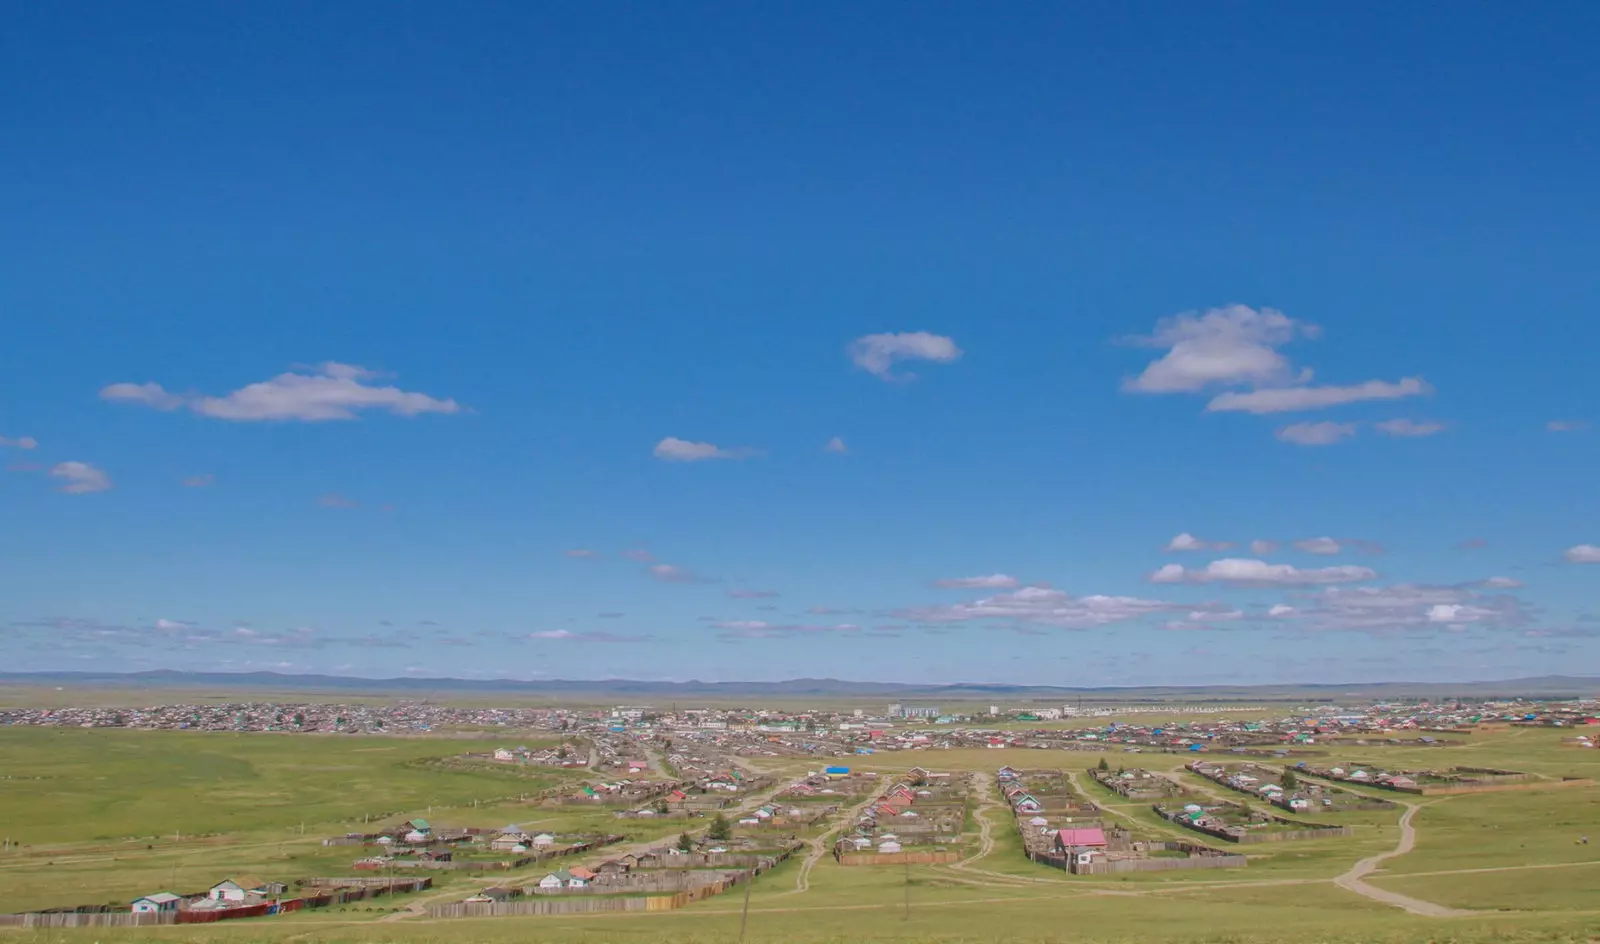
1552 686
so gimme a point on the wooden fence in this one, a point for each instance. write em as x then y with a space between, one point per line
594 905
1199 857
336 895
929 857
72 919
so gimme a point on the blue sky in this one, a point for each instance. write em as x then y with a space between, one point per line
902 342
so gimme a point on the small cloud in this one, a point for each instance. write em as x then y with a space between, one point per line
1262 548
1325 546
146 394
80 478
1325 433
205 480
582 552
1298 399
1472 544
836 445
669 573
28 442
329 391
610 615
1500 583
1567 426
172 626
753 594
1255 573
1188 542
1225 346
1583 554
1408 428
989 582
570 636
877 353
1281 610
673 449
335 500
760 629
638 554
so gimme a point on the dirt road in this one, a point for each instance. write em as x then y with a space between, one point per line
1354 880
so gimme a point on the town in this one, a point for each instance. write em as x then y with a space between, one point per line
637 808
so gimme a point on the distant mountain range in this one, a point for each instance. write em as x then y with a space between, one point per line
1550 686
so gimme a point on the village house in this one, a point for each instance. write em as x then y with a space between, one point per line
157 903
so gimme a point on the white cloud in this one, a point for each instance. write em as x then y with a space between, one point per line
742 625
1046 607
878 353
673 449
204 480
1408 428
21 442
80 478
1254 573
335 500
1583 554
1262 548
1316 434
329 391
1218 347
1410 606
668 573
989 582
1280 610
1188 542
759 629
1500 583
836 445
1457 613
172 626
1297 399
1566 426
1325 546
145 394
567 634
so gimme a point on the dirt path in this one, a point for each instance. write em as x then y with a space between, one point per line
819 846
983 785
1354 880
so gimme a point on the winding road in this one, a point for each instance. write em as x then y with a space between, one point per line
1354 880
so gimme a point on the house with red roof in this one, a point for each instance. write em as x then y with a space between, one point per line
1080 838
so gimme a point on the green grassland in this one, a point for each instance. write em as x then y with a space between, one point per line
85 804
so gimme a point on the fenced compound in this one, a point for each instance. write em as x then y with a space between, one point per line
1197 857
1245 835
927 857
344 892
593 905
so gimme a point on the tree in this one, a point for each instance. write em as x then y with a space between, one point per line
721 830
1290 781
1103 765
685 842
662 808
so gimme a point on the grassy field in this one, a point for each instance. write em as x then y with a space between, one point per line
97 813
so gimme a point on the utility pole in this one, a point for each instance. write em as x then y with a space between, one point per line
744 915
907 915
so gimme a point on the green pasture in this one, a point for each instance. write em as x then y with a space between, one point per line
85 804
